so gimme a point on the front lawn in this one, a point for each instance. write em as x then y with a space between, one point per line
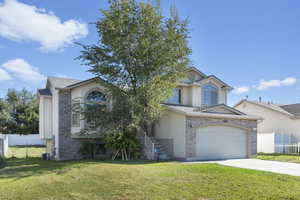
23 152
29 179
280 157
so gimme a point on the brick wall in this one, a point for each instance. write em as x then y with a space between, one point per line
68 148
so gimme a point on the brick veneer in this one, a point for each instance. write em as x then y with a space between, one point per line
68 148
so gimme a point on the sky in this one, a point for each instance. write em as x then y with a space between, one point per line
254 46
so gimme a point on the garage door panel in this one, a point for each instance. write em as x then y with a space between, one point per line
217 142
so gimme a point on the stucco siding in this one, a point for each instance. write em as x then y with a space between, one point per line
172 126
274 122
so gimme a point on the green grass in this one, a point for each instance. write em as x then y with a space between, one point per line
280 157
21 152
30 179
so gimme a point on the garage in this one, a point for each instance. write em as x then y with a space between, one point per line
221 142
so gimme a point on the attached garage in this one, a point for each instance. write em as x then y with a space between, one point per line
215 134
221 142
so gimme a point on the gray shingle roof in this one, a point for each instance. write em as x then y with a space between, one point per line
272 106
59 82
292 108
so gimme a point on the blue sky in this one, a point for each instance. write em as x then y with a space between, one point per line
252 45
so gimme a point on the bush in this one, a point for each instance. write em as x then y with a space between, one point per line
2 162
125 145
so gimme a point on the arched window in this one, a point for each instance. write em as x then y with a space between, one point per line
209 95
95 102
96 97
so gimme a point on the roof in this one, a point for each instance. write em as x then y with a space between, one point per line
292 109
79 83
58 82
197 112
197 71
286 109
44 92
66 83
217 79
214 107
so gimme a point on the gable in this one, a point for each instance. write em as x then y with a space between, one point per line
223 109
216 81
81 91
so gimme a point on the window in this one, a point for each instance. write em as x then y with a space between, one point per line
209 95
75 119
96 101
176 98
96 97
76 115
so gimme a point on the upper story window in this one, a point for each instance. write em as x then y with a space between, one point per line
209 95
176 98
76 114
96 97
95 102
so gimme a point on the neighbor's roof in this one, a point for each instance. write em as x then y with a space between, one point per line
195 112
58 82
289 110
292 108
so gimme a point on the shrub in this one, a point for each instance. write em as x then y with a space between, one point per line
2 162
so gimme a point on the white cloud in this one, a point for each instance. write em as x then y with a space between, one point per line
241 90
19 21
23 70
4 76
263 85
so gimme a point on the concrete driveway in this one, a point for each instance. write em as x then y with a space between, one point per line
263 165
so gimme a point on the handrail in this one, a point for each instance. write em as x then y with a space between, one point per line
149 147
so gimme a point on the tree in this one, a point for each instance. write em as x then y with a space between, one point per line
140 58
19 112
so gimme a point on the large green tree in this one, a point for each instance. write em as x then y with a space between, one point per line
140 58
19 112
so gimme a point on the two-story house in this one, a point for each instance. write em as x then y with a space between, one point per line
197 124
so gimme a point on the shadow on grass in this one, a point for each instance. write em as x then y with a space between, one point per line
21 167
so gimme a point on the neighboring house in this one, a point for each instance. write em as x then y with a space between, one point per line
197 125
3 145
280 127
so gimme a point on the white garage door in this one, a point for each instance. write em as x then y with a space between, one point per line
221 142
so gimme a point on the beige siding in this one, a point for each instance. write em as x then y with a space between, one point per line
274 122
78 94
45 121
172 126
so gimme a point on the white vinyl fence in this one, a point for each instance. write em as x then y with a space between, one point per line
25 140
288 148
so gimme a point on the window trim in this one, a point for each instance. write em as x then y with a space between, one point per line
179 97
78 123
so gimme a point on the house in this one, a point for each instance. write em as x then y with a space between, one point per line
197 124
280 127
3 145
